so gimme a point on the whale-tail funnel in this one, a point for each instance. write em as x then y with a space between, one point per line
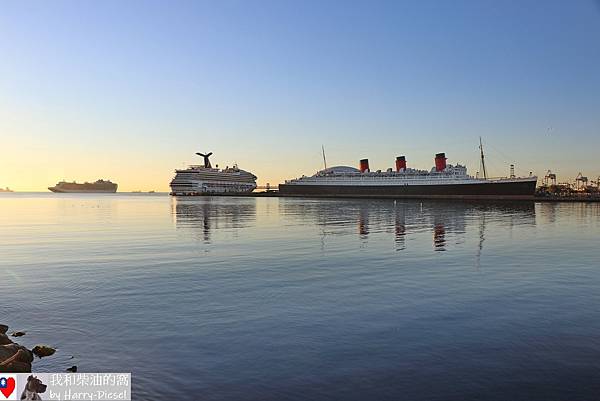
206 161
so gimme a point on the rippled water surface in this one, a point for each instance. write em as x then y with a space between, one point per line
305 299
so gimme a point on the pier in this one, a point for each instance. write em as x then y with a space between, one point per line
536 198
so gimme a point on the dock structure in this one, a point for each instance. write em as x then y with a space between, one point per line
537 198
580 190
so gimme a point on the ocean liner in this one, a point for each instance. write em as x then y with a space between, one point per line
206 180
101 186
442 181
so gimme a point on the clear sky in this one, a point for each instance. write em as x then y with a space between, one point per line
129 90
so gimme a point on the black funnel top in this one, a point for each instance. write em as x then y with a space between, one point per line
206 161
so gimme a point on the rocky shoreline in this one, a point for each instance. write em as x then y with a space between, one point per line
14 358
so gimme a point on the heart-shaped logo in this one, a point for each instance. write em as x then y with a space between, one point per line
7 386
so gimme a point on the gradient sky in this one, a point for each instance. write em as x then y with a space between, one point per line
129 90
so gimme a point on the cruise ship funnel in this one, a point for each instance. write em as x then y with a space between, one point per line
364 165
400 163
440 162
206 160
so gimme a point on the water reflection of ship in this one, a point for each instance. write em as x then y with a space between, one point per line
363 223
439 237
446 221
206 215
400 226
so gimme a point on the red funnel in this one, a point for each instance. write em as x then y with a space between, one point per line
400 163
364 165
440 162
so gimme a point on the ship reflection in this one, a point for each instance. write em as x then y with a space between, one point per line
400 228
363 223
409 225
439 237
448 223
204 215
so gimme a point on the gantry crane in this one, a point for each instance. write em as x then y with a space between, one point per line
550 178
580 182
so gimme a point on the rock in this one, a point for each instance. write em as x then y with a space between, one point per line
18 363
8 351
4 340
17 333
72 369
42 351
15 358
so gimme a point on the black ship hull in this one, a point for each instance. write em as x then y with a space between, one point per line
494 190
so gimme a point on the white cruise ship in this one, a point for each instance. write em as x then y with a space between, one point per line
206 180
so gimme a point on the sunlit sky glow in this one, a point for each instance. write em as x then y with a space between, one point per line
129 90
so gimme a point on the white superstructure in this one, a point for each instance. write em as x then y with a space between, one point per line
205 180
346 175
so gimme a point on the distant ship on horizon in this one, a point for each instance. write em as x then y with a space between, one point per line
206 180
100 186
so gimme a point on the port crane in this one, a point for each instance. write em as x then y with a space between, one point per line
550 177
580 182
595 186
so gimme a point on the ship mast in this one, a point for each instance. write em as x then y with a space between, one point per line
482 160
324 160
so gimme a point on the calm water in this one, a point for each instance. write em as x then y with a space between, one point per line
296 299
